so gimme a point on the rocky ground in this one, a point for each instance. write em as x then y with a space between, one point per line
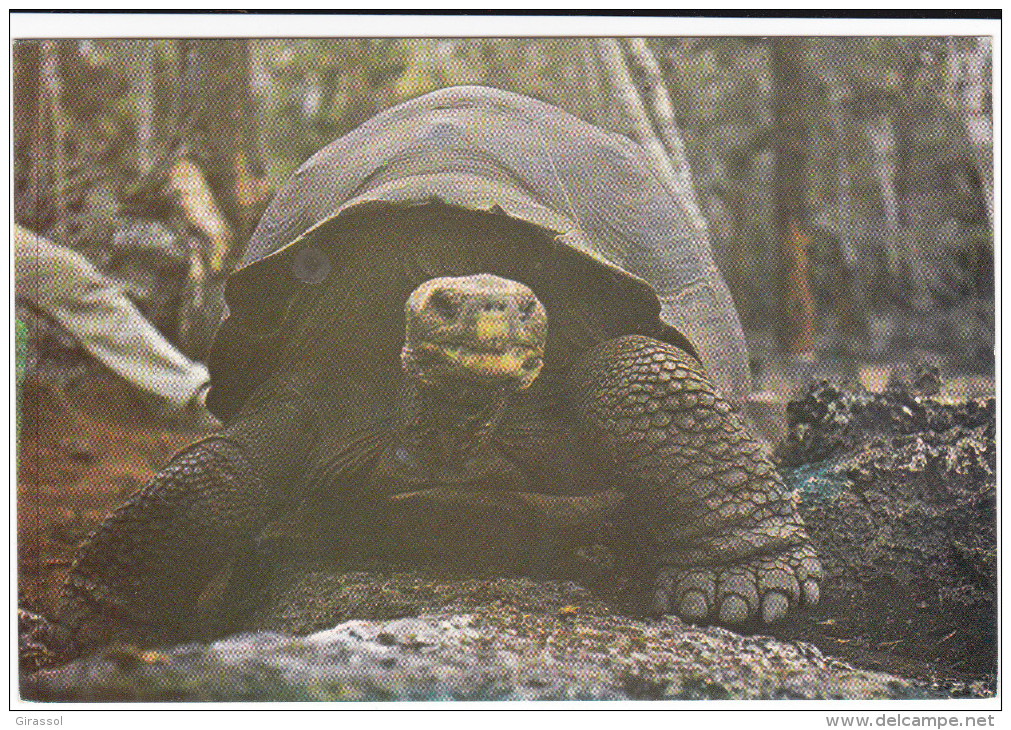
493 639
898 492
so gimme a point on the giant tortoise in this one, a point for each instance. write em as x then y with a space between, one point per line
468 326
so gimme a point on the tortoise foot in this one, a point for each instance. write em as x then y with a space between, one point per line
762 589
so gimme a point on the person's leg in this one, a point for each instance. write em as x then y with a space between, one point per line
64 284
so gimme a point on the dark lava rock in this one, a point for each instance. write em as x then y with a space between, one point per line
899 495
494 639
830 421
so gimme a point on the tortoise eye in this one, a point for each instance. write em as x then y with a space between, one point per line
443 305
527 309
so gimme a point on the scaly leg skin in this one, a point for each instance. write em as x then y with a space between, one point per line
728 541
139 576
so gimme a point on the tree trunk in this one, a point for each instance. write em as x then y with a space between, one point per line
978 124
32 138
852 299
881 136
39 132
142 82
217 115
674 174
700 306
361 102
790 94
216 173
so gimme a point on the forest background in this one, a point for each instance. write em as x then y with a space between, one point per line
847 182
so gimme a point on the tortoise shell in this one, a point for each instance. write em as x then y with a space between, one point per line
470 180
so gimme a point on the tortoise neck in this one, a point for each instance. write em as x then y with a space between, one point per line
447 423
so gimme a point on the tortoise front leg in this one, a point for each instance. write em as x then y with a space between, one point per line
724 531
139 576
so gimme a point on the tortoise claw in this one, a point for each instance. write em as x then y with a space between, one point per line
774 607
734 610
693 606
812 592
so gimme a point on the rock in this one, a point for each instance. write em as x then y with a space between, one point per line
150 262
899 495
829 421
517 639
152 241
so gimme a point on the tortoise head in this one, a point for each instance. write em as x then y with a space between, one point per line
479 328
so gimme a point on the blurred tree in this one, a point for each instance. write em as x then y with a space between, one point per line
969 90
893 177
797 333
37 154
75 150
205 176
653 126
215 113
662 113
112 136
848 289
721 95
323 88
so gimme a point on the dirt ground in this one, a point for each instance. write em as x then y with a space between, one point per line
81 452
